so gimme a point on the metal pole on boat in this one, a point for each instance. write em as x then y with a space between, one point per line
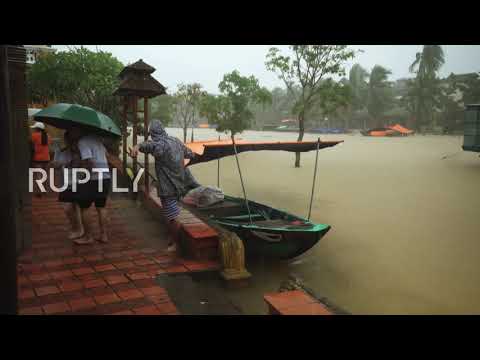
218 170
241 180
314 179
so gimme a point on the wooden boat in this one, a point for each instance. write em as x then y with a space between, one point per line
270 233
266 231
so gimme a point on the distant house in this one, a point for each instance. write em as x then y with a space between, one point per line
461 81
36 51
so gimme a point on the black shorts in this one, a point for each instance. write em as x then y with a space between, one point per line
66 196
88 193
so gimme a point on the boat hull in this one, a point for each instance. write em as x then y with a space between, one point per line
286 245
272 233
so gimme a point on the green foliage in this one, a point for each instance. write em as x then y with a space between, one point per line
186 105
359 87
303 73
162 108
230 110
77 76
424 90
428 62
335 96
380 97
306 68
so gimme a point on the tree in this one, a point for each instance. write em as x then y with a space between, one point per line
358 83
303 73
78 76
230 110
379 94
162 108
450 106
186 105
423 92
334 103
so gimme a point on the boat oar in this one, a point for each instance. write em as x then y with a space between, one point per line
241 180
314 179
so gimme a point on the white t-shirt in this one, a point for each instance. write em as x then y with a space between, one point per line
91 147
63 158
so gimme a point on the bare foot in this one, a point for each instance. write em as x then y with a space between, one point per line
76 235
84 241
172 248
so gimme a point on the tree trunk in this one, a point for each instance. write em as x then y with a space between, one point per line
301 125
185 133
192 135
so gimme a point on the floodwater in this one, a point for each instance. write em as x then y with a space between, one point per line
405 235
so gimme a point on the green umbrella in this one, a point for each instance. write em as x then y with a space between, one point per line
65 116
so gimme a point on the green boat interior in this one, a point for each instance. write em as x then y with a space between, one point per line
235 212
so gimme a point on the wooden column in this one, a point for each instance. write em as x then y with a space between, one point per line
125 131
145 126
8 196
134 132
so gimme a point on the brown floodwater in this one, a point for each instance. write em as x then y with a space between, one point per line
405 235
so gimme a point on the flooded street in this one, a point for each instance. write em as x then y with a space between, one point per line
405 235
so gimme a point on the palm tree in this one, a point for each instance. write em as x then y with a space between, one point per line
379 93
358 82
428 62
425 88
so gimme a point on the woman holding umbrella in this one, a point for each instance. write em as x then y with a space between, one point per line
86 127
69 158
93 155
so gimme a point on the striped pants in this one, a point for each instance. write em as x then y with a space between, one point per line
170 208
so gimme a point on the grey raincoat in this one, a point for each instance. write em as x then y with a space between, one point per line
174 180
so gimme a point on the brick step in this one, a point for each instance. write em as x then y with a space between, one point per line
294 302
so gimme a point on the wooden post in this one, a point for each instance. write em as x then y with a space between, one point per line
125 131
134 132
8 196
145 125
218 169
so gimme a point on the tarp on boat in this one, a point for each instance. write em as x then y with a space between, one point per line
216 149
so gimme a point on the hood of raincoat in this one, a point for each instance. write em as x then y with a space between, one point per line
156 130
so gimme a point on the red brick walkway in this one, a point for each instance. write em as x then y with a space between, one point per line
57 277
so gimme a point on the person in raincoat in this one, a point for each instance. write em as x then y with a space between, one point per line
174 180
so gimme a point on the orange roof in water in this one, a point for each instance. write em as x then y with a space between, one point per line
401 129
203 126
379 133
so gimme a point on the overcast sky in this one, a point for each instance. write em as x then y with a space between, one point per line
206 64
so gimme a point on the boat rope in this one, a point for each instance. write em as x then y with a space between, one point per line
241 180
314 179
143 167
